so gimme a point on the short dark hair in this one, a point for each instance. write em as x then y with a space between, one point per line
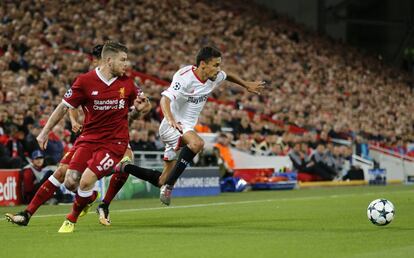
114 47
206 54
222 135
97 51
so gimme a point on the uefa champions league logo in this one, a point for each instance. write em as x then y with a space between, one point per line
68 93
177 86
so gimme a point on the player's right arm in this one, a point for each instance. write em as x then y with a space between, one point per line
56 116
72 99
166 110
175 92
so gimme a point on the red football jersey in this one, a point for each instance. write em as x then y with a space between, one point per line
105 104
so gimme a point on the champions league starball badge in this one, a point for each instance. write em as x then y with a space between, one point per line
68 93
177 86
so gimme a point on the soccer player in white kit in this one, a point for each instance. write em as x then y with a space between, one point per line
181 104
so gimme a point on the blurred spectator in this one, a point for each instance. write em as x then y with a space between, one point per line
203 125
277 150
319 163
7 161
30 142
54 149
259 146
139 141
224 156
361 147
34 175
157 143
243 143
15 144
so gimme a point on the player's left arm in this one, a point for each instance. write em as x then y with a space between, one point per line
254 87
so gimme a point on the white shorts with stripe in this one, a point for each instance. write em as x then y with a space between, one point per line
171 137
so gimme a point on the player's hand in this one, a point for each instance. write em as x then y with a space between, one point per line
142 104
140 101
76 127
255 87
42 139
176 125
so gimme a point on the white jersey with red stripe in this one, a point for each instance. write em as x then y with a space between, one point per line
188 95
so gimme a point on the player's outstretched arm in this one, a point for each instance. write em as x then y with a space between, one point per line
56 116
254 87
166 110
74 118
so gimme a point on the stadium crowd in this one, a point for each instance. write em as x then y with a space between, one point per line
317 88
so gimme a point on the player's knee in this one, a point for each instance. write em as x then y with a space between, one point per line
85 184
197 145
87 181
72 180
59 173
71 185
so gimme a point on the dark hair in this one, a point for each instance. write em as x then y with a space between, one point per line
206 54
222 135
114 47
97 51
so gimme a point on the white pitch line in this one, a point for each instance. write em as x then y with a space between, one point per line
231 203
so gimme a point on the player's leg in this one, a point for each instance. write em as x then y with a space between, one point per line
44 193
77 165
84 196
101 164
194 144
117 181
168 167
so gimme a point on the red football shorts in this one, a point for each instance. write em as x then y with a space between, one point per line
68 155
98 157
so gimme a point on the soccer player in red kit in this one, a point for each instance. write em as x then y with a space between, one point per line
49 187
105 95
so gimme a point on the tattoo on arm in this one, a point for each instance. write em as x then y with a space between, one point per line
56 116
73 115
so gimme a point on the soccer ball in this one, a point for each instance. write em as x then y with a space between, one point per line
380 212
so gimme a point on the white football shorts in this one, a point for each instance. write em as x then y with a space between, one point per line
171 137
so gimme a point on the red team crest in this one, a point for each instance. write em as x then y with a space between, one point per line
122 93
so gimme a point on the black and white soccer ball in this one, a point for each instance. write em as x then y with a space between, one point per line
380 212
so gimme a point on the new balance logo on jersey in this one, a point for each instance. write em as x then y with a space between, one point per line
94 93
197 100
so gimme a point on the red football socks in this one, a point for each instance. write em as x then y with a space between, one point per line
45 192
117 181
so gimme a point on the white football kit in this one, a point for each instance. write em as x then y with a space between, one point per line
188 95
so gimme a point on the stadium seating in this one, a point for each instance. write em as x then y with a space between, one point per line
315 84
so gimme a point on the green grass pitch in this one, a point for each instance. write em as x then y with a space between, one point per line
325 222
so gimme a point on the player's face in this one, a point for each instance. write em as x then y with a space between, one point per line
212 68
96 62
119 64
